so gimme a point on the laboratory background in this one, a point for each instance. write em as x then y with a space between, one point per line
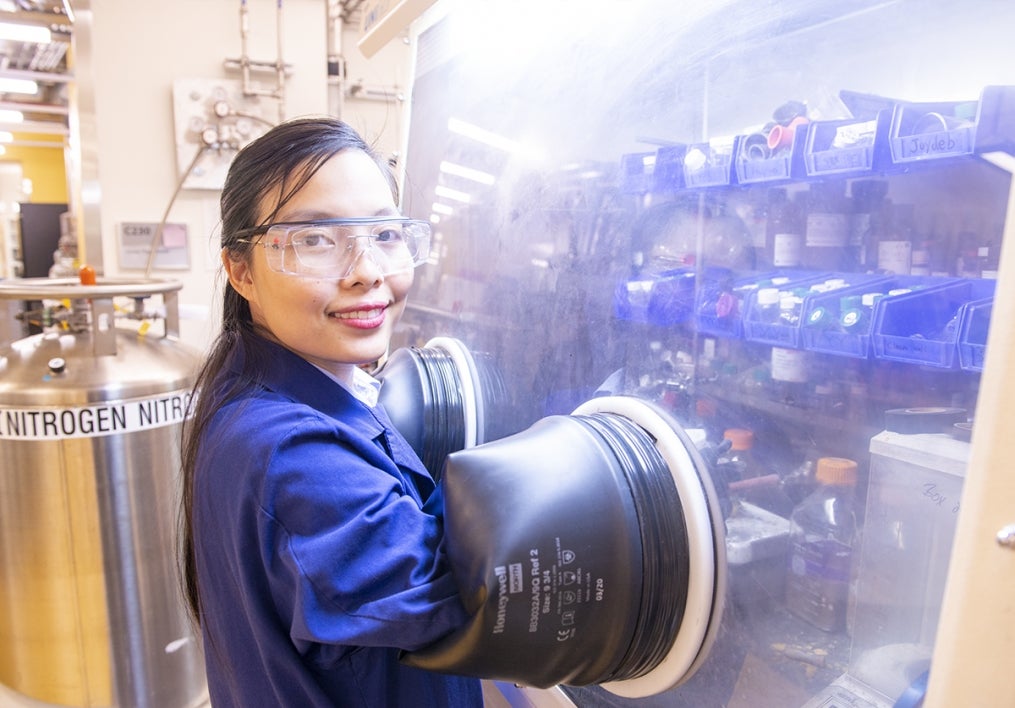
719 303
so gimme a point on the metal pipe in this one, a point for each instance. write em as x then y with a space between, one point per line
349 7
279 64
244 57
335 21
153 249
82 156
246 65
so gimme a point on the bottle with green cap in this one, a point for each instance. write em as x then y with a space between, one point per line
823 529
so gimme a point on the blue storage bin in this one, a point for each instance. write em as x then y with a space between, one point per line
830 329
709 164
668 173
928 131
663 299
761 326
756 163
847 147
636 172
922 327
975 323
719 304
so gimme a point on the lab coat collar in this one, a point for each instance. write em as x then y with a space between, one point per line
290 375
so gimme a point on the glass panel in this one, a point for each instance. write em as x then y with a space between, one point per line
782 224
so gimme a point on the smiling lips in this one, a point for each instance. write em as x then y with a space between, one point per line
366 318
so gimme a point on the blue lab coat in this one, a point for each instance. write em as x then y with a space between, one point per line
319 549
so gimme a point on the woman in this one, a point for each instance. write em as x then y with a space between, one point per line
312 536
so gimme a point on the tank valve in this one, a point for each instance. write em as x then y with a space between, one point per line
87 275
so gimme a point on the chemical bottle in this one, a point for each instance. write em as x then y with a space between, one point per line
767 305
791 304
754 213
739 457
868 209
823 532
895 242
828 229
857 313
789 376
784 232
989 253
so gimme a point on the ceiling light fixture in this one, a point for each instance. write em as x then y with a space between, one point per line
526 152
26 86
467 172
453 194
468 130
9 116
25 33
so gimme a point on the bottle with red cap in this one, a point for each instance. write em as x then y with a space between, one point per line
823 531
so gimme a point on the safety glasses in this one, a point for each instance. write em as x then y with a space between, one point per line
330 248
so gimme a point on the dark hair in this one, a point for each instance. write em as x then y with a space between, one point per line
280 162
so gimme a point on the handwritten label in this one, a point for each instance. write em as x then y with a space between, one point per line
956 142
935 496
837 160
765 169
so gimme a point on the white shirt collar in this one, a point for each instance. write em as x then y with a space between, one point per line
359 383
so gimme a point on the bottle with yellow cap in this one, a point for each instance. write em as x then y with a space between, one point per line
823 530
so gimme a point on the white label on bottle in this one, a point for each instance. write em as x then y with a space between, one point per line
789 365
895 256
827 230
786 250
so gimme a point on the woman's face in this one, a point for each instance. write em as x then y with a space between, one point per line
334 322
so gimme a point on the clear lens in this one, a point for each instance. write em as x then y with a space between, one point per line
332 249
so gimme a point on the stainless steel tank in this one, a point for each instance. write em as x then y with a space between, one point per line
90 418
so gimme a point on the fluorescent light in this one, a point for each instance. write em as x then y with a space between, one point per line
18 86
435 218
479 134
468 130
25 33
467 172
453 194
6 137
9 116
440 208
